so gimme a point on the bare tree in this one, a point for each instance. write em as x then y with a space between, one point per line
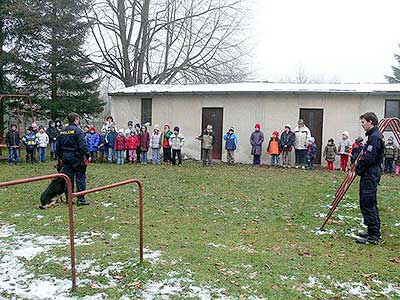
302 76
169 41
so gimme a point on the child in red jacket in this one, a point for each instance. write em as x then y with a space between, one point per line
133 144
120 146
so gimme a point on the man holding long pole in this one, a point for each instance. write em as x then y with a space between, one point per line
369 168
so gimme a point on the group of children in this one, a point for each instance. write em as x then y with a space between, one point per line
347 151
300 140
303 143
36 139
133 144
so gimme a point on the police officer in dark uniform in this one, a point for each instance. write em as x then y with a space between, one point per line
72 149
369 168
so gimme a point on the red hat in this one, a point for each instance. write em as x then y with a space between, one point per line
275 133
93 129
258 126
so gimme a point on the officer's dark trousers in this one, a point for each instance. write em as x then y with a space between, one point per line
75 170
368 200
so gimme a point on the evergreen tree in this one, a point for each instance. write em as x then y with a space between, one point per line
5 57
396 72
51 65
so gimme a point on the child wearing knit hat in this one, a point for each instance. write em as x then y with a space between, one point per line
344 150
287 139
207 139
256 141
275 148
231 142
176 141
93 141
311 152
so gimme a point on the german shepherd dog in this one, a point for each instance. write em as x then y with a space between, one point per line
53 193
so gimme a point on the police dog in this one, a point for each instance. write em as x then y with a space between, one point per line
53 193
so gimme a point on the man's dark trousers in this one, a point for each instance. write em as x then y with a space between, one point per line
75 169
368 200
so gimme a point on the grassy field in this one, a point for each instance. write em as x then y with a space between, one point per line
225 232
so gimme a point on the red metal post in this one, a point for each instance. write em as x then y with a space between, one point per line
71 209
139 183
20 96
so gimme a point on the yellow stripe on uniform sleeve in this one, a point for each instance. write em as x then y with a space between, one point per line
67 132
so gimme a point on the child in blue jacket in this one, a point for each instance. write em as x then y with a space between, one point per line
92 141
111 136
31 142
231 142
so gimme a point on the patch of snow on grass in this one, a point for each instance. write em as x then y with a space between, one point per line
343 290
247 249
108 204
115 236
317 231
17 281
179 287
216 245
320 215
354 289
350 205
152 256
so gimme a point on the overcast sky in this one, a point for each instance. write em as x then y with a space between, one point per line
349 40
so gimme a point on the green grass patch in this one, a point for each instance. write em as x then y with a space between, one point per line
249 231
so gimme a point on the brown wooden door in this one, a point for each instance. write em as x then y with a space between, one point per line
313 119
213 116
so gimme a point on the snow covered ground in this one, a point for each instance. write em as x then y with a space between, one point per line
333 289
17 281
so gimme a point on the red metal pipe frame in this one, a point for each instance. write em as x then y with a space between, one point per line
20 96
140 186
71 209
394 124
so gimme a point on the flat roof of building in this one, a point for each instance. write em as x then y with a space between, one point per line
260 88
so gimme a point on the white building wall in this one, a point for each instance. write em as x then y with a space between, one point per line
272 111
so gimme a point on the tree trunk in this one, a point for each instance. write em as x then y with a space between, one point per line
124 43
53 84
144 40
2 75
